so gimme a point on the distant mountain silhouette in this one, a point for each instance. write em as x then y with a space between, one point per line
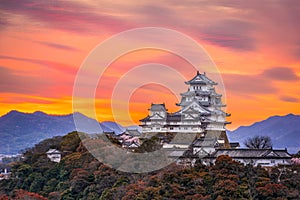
112 126
283 130
20 130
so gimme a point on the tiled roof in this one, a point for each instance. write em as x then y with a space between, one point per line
200 79
176 153
158 107
53 151
170 117
213 92
176 117
133 132
205 142
188 93
234 144
130 144
145 119
201 92
252 153
183 103
204 103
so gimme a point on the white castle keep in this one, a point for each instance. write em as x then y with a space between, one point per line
201 111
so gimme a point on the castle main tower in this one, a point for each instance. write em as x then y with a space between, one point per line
201 112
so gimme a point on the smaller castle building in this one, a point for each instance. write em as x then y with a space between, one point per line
255 157
54 155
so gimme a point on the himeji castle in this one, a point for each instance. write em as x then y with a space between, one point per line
202 119
200 111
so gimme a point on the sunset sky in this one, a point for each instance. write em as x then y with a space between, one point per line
254 44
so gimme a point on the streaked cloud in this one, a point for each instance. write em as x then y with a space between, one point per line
248 84
15 98
281 74
45 63
289 99
57 46
10 82
234 34
262 83
64 15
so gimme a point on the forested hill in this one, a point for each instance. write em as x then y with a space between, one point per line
80 176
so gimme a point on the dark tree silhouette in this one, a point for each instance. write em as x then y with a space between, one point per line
258 142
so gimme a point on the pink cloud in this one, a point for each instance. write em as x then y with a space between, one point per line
248 84
233 34
262 83
281 74
289 99
65 68
64 15
57 46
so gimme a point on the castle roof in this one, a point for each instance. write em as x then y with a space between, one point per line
188 93
132 132
200 79
177 153
158 107
205 142
53 151
234 144
174 117
252 153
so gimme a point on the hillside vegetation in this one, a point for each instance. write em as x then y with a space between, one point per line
80 176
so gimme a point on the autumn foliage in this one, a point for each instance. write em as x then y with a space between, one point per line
80 176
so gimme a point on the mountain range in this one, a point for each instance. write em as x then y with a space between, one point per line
284 132
19 130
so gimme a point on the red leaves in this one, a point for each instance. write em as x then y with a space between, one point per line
22 195
272 190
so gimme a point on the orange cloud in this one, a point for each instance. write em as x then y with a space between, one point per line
255 45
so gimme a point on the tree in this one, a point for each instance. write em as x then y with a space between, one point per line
258 142
23 195
149 145
272 191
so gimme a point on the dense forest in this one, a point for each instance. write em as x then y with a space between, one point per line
80 176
